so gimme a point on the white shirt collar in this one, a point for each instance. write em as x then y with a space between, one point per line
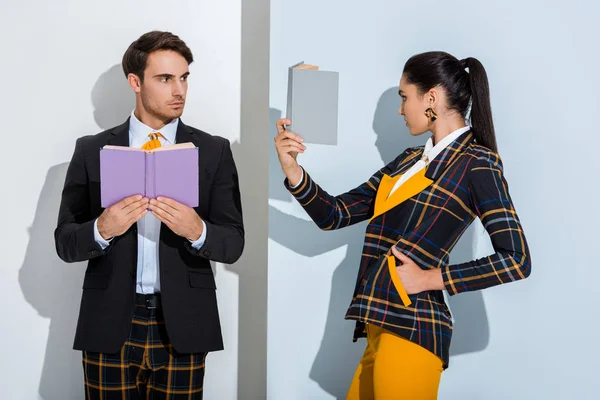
432 151
140 130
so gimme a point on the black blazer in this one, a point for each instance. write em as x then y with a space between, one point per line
186 279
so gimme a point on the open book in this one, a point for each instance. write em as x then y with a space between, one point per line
312 103
169 171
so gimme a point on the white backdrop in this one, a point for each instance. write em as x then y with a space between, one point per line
62 79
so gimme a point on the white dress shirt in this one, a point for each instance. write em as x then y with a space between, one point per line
148 277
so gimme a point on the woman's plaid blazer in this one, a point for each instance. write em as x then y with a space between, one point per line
464 181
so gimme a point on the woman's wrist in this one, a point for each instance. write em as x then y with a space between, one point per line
294 175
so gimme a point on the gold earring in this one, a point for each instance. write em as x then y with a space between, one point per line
431 114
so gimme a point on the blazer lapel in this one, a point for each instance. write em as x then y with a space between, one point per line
184 133
120 135
437 166
385 186
413 186
383 203
408 162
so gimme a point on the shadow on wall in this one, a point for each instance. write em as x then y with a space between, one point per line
52 287
112 98
333 368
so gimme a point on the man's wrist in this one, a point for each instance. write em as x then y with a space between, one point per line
101 230
197 232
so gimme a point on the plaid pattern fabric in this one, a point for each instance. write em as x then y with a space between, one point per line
147 367
468 182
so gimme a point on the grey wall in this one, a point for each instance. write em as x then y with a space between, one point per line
252 154
528 340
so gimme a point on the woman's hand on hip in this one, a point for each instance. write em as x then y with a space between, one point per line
414 279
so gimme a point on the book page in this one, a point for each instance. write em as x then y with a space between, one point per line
187 145
307 66
126 148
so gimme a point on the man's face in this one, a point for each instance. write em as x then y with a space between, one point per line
164 88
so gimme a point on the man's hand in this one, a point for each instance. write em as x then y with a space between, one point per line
181 219
116 219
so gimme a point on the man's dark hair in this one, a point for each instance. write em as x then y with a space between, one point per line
136 56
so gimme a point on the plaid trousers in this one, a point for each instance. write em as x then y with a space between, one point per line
147 367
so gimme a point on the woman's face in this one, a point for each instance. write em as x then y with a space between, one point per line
413 108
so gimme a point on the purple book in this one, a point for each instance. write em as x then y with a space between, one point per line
170 171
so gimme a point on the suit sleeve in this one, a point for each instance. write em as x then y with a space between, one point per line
336 212
493 205
74 233
224 224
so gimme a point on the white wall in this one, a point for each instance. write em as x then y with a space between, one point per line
533 339
61 80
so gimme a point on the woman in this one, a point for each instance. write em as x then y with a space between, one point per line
418 206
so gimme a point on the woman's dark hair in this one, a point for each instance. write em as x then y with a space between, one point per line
464 89
136 56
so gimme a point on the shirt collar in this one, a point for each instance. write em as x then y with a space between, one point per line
140 130
431 151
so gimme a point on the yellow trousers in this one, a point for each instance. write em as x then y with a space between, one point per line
395 368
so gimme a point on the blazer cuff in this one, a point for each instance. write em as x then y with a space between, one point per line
86 236
305 190
202 251
452 280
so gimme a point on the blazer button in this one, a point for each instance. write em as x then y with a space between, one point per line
206 253
363 282
94 253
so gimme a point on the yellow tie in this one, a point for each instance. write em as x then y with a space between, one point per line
153 143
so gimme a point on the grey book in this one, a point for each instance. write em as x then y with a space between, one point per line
312 103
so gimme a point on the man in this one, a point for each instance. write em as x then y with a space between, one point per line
148 313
